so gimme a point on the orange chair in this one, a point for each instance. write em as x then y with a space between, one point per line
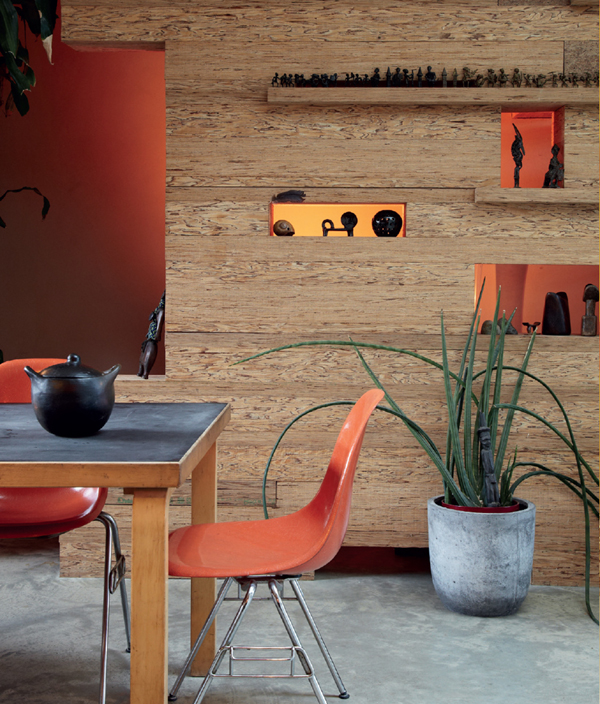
274 551
32 513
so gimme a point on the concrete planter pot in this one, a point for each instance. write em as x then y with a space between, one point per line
481 562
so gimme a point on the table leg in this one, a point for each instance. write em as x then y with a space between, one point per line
149 596
204 510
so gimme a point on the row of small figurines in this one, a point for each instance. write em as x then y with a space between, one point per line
406 78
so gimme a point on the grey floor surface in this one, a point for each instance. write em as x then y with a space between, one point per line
390 637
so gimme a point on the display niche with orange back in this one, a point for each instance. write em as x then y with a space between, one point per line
338 219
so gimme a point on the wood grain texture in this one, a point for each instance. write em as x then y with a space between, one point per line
547 196
358 22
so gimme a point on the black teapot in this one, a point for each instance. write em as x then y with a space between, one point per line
72 400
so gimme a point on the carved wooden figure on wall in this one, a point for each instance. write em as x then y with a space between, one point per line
517 150
153 337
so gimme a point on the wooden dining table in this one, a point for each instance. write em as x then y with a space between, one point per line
148 449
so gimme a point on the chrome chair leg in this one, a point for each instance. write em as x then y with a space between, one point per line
224 648
105 606
118 577
201 636
302 656
319 638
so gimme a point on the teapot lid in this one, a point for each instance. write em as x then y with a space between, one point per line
69 369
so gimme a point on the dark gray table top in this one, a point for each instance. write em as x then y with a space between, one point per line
135 432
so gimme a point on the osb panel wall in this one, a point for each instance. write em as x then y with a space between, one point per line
232 290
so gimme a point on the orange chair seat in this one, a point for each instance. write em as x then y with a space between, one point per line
30 513
244 548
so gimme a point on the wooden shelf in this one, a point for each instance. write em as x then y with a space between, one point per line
550 196
516 99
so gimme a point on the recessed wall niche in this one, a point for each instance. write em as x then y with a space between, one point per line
338 219
524 287
539 131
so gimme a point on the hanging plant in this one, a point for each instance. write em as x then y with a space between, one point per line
16 75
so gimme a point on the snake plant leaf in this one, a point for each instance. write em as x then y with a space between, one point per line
47 10
19 99
9 28
29 13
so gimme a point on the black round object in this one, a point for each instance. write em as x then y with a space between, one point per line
72 400
387 223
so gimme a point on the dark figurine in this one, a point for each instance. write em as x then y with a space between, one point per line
467 76
531 327
555 172
347 81
502 78
574 78
540 80
375 78
430 77
589 322
556 320
387 223
563 80
527 79
486 458
517 78
454 78
289 197
333 79
315 80
349 221
405 72
324 80
444 78
366 80
283 228
299 80
153 337
587 78
397 77
479 80
491 78
388 78
517 150
554 79
275 80
596 78
419 78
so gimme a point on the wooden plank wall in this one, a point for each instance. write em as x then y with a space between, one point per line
232 290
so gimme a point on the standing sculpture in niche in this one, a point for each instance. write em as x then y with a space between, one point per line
589 322
153 337
555 172
430 77
518 152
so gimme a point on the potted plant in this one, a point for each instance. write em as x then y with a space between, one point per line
478 511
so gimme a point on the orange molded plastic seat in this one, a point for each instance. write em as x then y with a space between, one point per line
32 512
301 541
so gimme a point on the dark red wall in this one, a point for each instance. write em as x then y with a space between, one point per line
86 278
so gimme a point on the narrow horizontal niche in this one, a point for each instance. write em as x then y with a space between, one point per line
338 219
527 143
525 288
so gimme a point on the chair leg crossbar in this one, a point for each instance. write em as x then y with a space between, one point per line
113 578
294 652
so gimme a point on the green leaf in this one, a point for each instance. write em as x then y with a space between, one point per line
20 100
9 28
47 10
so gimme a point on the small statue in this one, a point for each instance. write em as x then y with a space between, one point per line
324 80
349 221
430 77
292 196
412 78
555 172
540 80
153 337
596 78
444 78
405 72
574 78
486 458
556 319
454 78
275 80
587 79
554 79
517 78
397 77
502 78
375 78
517 150
491 78
333 79
589 322
531 327
299 80
315 80
419 78
527 78
388 78
366 79
479 80
348 79
467 76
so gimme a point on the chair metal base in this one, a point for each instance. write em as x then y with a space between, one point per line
296 650
113 578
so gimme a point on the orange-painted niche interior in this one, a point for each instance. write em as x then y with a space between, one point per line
524 287
540 131
307 219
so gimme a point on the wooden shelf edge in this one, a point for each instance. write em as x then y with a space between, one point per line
515 98
549 196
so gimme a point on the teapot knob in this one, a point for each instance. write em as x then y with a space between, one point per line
73 359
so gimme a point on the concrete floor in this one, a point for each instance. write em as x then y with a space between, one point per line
391 638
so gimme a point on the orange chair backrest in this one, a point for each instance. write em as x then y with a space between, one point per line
15 386
331 506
